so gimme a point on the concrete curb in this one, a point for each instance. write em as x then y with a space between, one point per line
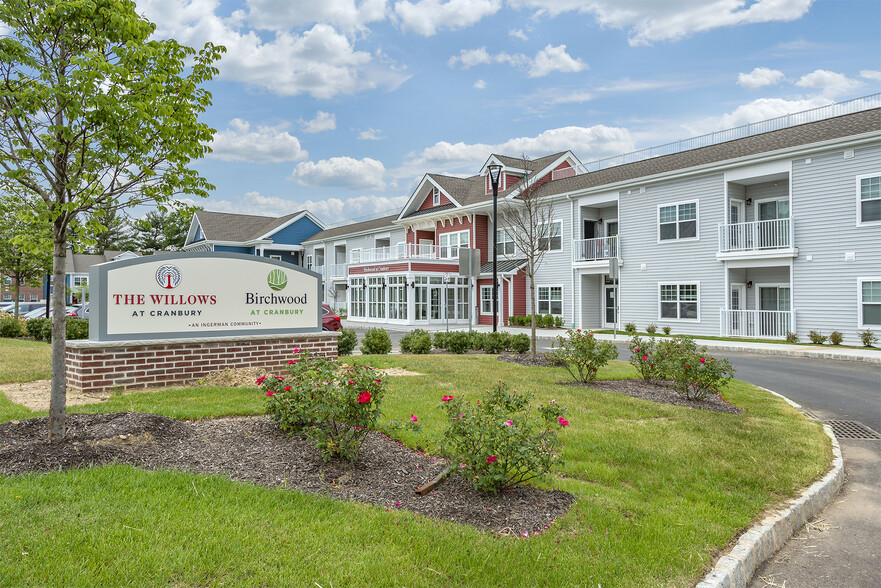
736 568
797 353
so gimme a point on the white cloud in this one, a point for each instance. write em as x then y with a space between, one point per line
652 21
546 61
518 34
480 85
323 121
425 17
871 74
345 172
332 210
588 143
551 59
285 14
755 111
829 82
319 61
370 135
759 78
267 144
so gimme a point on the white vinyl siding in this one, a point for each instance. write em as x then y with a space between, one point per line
677 222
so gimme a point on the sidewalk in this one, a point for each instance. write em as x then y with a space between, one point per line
784 349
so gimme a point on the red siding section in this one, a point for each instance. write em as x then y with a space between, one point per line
425 235
455 226
520 294
379 269
480 238
411 236
429 200
435 267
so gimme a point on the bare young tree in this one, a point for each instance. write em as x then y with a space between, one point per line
527 217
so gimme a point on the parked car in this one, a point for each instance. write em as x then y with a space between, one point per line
41 312
81 311
330 320
23 307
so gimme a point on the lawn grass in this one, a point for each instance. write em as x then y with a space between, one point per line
660 489
24 361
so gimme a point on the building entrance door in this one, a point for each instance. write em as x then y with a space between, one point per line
609 307
436 303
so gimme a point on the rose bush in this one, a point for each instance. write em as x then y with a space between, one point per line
695 374
582 354
501 440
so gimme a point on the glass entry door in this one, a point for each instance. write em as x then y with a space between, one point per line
436 307
609 306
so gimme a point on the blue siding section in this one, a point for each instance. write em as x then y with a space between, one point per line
295 233
231 249
286 256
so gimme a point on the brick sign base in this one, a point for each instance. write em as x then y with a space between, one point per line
93 366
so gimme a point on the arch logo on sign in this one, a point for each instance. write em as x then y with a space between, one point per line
168 276
277 279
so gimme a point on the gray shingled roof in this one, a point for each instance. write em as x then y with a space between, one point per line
238 228
823 130
79 263
375 224
533 165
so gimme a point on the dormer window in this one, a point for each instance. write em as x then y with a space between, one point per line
435 197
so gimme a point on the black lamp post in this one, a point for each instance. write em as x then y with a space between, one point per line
494 171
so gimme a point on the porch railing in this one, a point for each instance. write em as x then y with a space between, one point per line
769 324
595 249
334 270
757 235
403 251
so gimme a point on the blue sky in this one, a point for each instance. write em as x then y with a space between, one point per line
340 106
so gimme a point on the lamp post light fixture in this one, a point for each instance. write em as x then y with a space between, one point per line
494 171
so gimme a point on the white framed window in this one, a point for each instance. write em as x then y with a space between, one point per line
275 257
33 297
376 298
868 200
449 243
679 301
420 298
355 256
308 262
435 196
486 300
397 297
357 291
21 297
7 297
869 296
677 222
550 300
505 242
553 239
80 281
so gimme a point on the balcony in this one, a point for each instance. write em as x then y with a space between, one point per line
336 271
404 251
757 239
767 324
595 249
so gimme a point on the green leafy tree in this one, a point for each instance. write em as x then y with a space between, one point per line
112 231
21 258
96 111
163 230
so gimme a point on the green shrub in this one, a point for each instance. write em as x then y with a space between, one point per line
644 357
582 354
440 340
416 341
77 328
868 338
520 343
558 321
458 342
376 342
694 372
34 327
496 342
346 341
666 329
478 340
10 327
335 407
46 330
835 337
816 337
791 337
500 440
630 328
547 321
651 329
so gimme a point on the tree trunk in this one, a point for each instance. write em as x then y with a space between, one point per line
532 308
15 292
58 398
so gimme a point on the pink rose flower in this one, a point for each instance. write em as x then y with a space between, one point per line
491 458
378 381
287 388
297 350
351 382
509 423
563 422
270 393
446 398
645 357
703 360
413 418
364 398
261 379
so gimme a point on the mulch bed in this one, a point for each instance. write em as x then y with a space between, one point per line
253 449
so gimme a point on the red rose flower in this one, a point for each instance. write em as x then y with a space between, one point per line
364 398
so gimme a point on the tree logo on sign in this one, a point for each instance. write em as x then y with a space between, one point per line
168 276
277 280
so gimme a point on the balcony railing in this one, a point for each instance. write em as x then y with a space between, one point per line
771 324
334 270
757 235
595 249
403 251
